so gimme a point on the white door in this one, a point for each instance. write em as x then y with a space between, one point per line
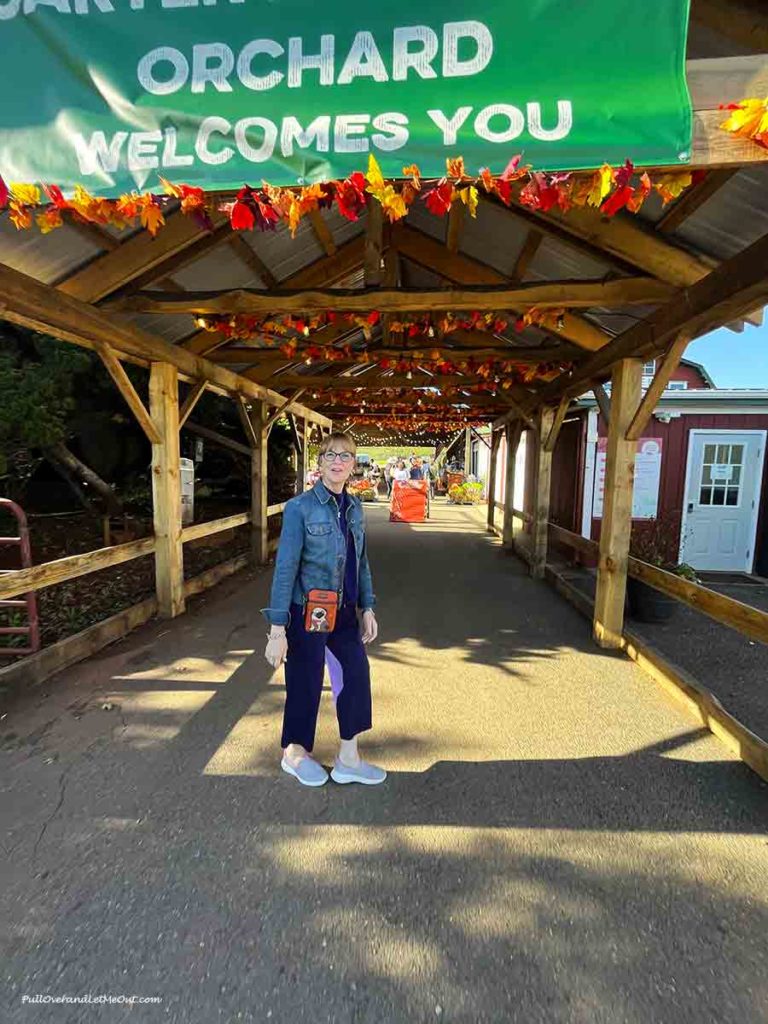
722 498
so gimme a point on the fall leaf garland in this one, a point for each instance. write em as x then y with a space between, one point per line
263 208
748 119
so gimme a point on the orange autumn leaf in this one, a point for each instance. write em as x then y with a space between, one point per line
20 215
641 193
670 186
455 167
412 171
489 182
749 119
49 219
151 215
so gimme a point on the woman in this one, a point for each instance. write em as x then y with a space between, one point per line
323 547
401 473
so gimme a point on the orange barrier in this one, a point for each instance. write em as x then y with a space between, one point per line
409 501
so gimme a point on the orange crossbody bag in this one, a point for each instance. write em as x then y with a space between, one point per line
320 611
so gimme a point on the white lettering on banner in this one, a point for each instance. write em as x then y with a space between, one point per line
214 63
514 126
564 122
323 61
419 60
245 61
317 133
97 155
170 157
452 33
146 71
220 126
12 8
396 127
363 60
449 126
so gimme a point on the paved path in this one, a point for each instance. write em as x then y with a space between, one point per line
556 842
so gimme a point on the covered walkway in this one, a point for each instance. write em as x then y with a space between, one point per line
555 842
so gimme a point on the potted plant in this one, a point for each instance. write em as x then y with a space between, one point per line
655 541
466 493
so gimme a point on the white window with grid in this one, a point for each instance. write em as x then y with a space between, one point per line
721 470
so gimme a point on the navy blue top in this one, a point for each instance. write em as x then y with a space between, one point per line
350 568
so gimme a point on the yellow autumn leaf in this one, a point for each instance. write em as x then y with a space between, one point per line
750 119
669 186
19 215
48 220
470 197
602 182
374 175
25 195
392 203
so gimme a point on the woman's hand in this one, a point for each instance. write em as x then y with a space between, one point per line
370 626
277 648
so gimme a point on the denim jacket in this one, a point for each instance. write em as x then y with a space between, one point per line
312 553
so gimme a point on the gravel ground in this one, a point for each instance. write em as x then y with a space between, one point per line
556 843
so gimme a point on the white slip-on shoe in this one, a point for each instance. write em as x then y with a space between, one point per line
307 771
368 774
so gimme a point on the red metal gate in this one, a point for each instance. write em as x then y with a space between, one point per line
28 601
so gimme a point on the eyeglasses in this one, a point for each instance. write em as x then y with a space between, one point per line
344 457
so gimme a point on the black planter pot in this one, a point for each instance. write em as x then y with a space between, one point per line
646 604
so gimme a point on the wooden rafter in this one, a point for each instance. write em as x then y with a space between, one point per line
265 357
322 232
557 423
741 21
550 294
194 396
693 198
281 410
603 402
455 226
247 421
527 254
460 269
374 245
251 259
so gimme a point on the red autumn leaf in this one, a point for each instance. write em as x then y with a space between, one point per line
617 200
56 196
350 196
242 217
4 194
511 169
439 198
504 190
624 174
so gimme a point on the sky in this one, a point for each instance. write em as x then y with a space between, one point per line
734 360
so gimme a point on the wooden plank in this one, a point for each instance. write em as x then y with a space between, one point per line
137 255
617 506
542 489
374 245
513 433
194 396
713 81
26 301
692 199
322 232
460 269
166 490
215 575
658 385
208 529
544 295
750 622
259 551
492 469
129 393
23 581
527 254
252 260
557 423
276 510
265 359
574 540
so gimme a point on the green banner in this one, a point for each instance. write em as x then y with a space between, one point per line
113 93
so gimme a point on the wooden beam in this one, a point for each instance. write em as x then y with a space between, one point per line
265 359
480 438
658 385
322 232
166 490
692 199
194 396
259 548
550 294
139 254
617 506
557 423
296 437
513 433
603 402
129 393
460 269
251 259
246 419
282 409
732 288
26 301
374 245
527 254
214 526
542 489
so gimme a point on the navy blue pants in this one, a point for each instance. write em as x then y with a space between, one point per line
304 667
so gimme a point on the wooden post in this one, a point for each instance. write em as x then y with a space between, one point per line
495 442
258 418
545 419
617 506
305 456
166 489
514 430
467 451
